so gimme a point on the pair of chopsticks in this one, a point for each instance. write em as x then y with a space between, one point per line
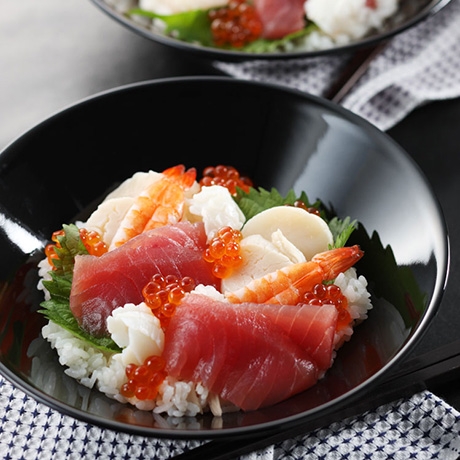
353 71
431 371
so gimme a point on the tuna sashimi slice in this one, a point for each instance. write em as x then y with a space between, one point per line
101 284
249 354
280 17
310 326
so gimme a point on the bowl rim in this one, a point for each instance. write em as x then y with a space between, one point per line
442 265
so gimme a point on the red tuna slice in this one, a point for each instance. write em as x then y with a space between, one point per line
246 353
280 17
310 326
101 284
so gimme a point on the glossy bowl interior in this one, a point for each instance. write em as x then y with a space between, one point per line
282 138
410 13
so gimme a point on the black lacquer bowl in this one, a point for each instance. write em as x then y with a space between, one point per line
281 138
410 13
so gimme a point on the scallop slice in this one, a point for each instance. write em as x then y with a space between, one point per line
306 231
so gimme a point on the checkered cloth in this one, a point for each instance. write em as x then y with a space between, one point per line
421 427
419 65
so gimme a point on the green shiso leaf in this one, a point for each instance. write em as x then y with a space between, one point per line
388 280
58 311
262 45
190 26
57 308
71 245
59 286
341 230
258 200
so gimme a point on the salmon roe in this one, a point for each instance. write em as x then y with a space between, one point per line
235 24
90 238
145 379
224 252
226 176
50 249
93 242
310 209
330 294
162 294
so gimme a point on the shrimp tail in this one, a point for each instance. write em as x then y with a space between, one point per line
288 285
338 260
162 203
181 175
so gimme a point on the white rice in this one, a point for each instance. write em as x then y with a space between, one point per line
348 20
44 269
80 359
354 288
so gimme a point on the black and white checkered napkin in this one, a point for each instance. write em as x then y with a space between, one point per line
421 427
420 65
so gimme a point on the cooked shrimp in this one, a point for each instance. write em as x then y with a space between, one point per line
160 204
287 285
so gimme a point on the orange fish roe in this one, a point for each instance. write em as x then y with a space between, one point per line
235 24
93 242
226 176
50 249
90 238
223 251
144 380
162 294
310 209
330 294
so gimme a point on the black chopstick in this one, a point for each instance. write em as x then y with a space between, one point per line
353 71
427 371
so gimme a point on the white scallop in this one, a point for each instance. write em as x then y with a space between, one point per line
306 231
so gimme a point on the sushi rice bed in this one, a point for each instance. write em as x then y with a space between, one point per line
137 331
